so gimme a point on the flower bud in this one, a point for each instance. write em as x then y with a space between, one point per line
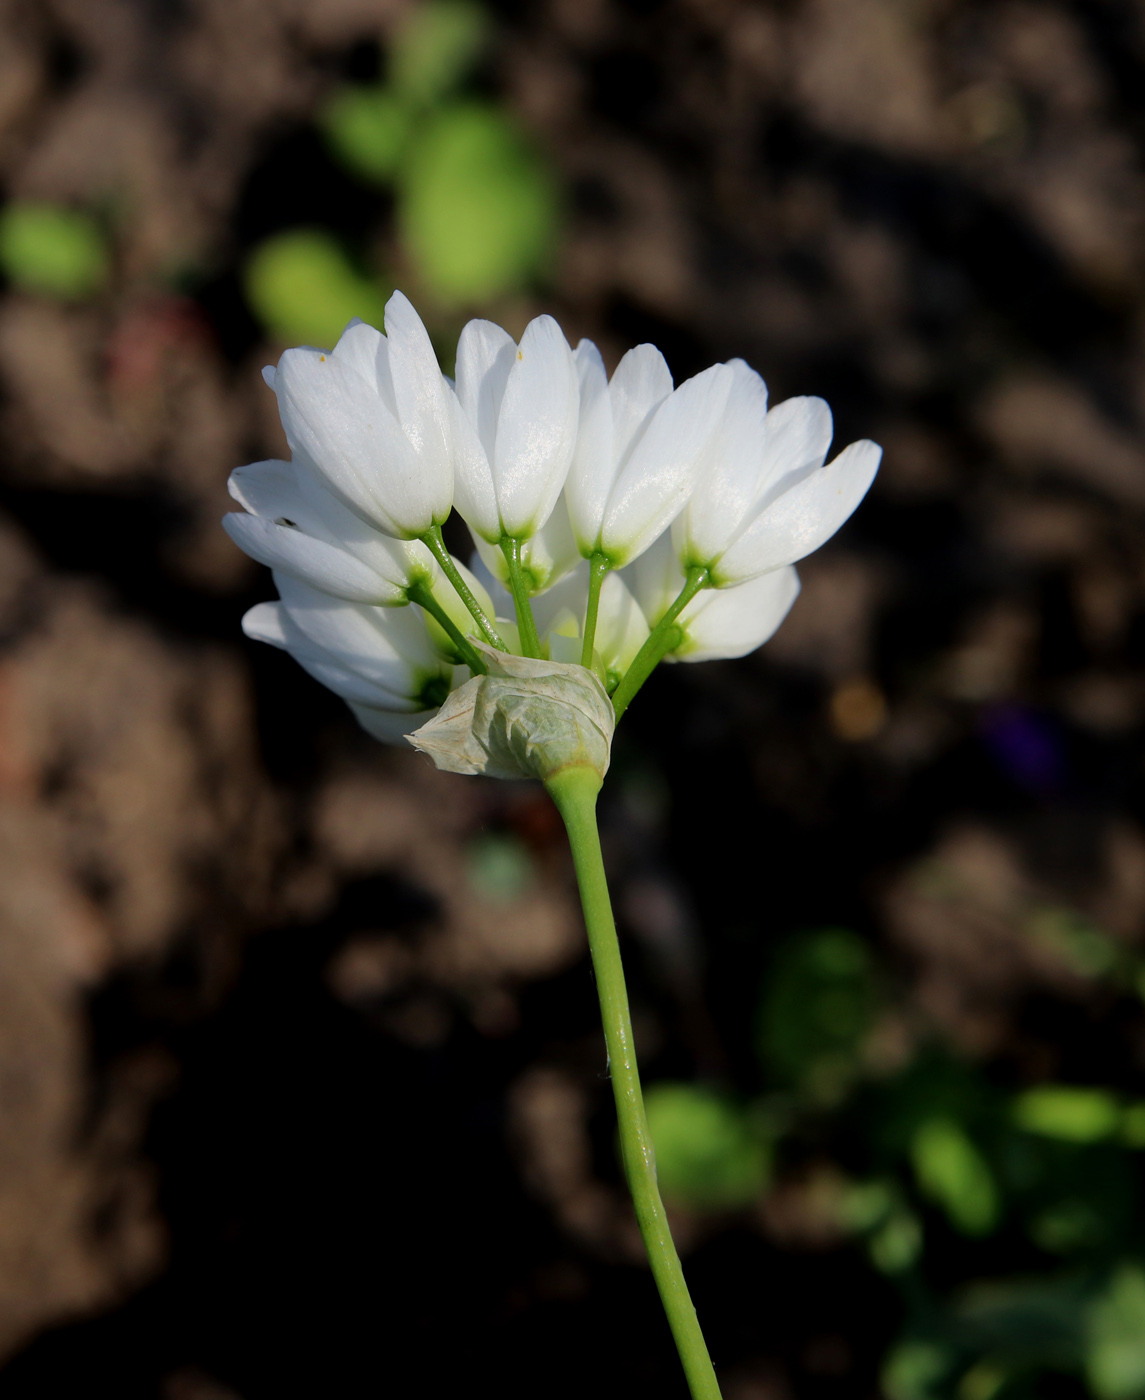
524 719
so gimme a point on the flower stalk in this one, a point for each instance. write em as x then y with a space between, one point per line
574 791
436 545
663 638
526 622
620 501
599 566
420 594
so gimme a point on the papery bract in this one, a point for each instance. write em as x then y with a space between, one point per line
525 718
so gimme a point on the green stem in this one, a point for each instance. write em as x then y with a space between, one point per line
597 570
436 546
574 791
419 593
526 623
661 640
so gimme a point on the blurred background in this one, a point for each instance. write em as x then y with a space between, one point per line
302 1088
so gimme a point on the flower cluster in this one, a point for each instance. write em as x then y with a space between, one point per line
617 523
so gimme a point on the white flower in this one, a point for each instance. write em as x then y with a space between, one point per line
640 448
766 499
718 624
691 503
296 526
516 426
374 417
381 661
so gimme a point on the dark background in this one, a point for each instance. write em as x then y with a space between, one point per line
300 1072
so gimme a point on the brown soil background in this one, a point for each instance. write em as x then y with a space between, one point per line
267 1055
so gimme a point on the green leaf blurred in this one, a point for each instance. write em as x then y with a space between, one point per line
1023 1321
368 129
478 210
1115 1328
711 1153
953 1174
435 48
500 867
303 288
1068 1113
52 250
915 1370
817 1008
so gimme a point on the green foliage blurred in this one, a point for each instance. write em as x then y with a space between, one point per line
476 211
952 1172
816 1010
304 288
936 1153
52 250
500 867
1115 1327
711 1152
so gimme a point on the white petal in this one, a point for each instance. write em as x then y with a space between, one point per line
536 429
640 385
388 648
263 623
621 628
799 433
390 726
488 566
568 597
731 475
422 397
294 493
264 487
268 376
473 492
322 565
334 418
655 579
358 348
594 462
654 484
485 355
349 685
726 623
552 552
802 518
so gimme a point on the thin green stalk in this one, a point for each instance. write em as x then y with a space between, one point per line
436 546
596 572
661 640
526 623
574 791
420 594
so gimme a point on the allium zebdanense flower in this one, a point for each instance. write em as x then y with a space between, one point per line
630 520
767 499
689 505
374 399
